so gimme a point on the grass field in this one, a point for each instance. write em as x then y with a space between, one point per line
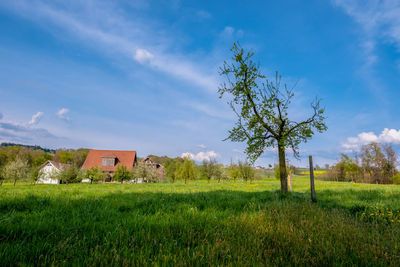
200 224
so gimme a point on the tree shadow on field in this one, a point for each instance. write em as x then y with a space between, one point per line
150 202
146 203
211 227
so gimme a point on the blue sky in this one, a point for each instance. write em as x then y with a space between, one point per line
143 75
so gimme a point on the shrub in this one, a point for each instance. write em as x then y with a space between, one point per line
396 179
122 174
71 174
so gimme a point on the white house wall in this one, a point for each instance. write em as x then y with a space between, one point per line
48 175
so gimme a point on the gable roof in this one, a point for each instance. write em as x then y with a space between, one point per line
149 161
122 157
56 164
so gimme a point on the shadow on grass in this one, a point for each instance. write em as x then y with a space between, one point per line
144 203
203 228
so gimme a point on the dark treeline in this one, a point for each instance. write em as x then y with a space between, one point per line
35 147
375 163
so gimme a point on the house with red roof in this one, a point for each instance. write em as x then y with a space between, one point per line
109 160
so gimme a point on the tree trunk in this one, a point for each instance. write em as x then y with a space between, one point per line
15 182
282 169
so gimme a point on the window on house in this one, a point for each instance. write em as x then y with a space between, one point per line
108 162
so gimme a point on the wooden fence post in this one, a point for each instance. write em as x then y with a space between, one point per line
313 198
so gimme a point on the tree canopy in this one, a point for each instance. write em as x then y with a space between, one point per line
261 106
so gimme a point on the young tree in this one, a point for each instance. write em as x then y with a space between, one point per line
262 107
171 167
391 163
122 173
95 174
246 171
210 170
16 170
34 174
140 171
187 170
233 171
373 161
70 174
153 175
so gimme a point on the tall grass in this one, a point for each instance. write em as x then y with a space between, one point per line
227 223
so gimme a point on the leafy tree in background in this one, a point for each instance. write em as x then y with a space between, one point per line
247 172
152 175
34 174
70 174
262 107
233 171
122 174
16 170
64 156
95 174
187 170
210 170
2 177
140 171
170 169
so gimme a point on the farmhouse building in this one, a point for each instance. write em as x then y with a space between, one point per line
150 163
109 160
49 170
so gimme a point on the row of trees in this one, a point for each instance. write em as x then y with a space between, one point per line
19 170
375 163
122 174
36 157
18 162
209 170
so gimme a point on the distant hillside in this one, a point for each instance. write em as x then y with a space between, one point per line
35 147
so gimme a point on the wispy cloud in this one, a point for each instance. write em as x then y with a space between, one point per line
201 146
36 118
27 133
107 30
201 156
143 56
378 19
390 136
62 114
231 33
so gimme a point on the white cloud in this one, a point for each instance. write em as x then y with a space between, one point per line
36 118
390 136
230 32
101 25
62 114
143 56
26 133
201 156
202 146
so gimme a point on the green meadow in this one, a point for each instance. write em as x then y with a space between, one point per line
227 223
